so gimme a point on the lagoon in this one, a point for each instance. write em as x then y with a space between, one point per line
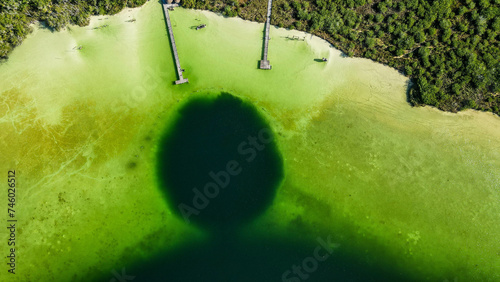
413 190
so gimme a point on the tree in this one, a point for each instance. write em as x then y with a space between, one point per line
382 7
370 42
420 36
401 6
446 35
359 3
408 70
463 27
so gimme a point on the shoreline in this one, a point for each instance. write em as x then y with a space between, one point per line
410 95
429 88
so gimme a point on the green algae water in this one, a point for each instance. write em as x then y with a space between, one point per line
396 192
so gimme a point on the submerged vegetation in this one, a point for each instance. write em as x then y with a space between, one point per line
449 48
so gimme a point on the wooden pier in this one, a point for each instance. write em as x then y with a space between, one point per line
264 63
172 42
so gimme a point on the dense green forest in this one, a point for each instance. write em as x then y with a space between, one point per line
449 48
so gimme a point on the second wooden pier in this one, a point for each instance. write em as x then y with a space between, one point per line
264 63
172 42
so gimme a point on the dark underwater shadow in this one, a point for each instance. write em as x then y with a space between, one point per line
227 258
205 134
219 165
42 24
411 93
208 133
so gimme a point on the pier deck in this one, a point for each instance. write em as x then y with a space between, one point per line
172 42
264 63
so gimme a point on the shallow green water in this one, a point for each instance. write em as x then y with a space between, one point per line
398 189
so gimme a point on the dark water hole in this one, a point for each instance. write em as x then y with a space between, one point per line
221 135
219 164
